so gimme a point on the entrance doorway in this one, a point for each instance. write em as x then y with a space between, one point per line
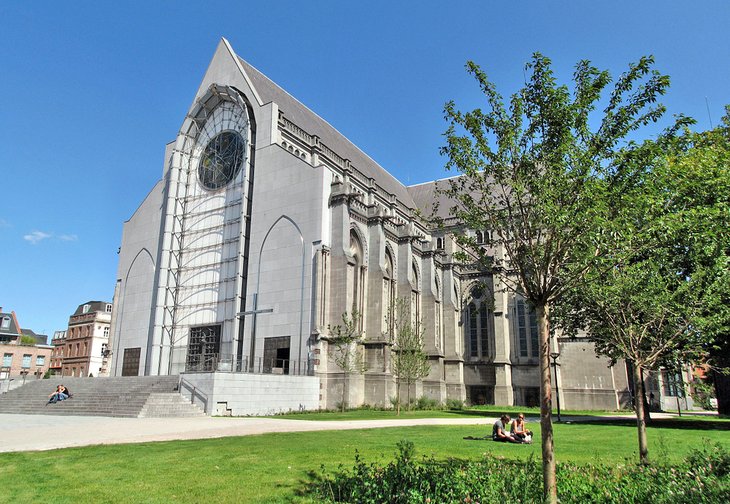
277 354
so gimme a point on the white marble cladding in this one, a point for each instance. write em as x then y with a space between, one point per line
253 394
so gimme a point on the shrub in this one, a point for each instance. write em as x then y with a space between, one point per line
702 478
426 403
455 404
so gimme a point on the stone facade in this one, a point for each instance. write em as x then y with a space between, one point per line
249 275
21 361
81 350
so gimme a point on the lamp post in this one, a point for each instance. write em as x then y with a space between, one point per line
554 356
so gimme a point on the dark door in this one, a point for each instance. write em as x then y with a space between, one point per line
130 363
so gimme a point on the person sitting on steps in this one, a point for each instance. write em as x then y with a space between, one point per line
60 394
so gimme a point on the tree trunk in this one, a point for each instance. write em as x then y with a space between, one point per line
722 392
397 396
640 419
345 383
408 394
550 489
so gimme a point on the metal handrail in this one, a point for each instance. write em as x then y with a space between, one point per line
194 392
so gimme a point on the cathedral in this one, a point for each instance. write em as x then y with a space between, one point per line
266 226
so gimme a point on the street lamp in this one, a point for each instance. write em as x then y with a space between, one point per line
554 356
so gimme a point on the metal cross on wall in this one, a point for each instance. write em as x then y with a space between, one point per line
255 311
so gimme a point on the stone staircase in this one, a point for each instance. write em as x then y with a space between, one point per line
129 396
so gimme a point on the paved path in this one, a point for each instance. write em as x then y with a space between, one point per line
47 432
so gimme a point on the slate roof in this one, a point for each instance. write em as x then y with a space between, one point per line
310 122
40 339
14 328
94 306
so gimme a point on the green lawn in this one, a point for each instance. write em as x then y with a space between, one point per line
474 411
272 467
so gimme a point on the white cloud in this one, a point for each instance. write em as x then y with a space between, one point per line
36 236
4 223
68 237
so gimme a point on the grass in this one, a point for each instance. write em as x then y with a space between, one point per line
473 411
273 467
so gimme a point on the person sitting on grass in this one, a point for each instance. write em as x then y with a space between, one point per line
60 394
499 433
518 431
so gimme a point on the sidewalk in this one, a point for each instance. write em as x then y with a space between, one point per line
47 432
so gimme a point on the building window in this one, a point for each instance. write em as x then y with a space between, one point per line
108 308
40 360
526 323
356 274
672 381
478 323
106 332
26 361
388 294
7 360
479 237
86 308
439 243
437 316
415 297
5 323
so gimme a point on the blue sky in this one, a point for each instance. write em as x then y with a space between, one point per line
93 90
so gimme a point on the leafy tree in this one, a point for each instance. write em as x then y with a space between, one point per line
409 360
345 348
539 174
660 297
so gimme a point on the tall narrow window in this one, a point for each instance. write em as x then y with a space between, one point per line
356 272
526 326
388 294
437 316
473 330
415 297
457 316
478 323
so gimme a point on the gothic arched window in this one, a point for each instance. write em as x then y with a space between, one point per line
415 296
356 274
438 333
479 319
526 328
389 284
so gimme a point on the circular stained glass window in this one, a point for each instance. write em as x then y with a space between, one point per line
221 160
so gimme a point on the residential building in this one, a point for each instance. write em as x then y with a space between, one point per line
20 360
85 341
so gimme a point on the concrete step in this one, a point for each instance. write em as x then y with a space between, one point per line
116 396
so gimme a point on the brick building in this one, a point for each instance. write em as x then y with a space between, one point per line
21 357
81 350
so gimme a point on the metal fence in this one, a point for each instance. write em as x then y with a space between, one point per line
226 363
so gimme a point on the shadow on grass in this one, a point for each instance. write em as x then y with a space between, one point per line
688 423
